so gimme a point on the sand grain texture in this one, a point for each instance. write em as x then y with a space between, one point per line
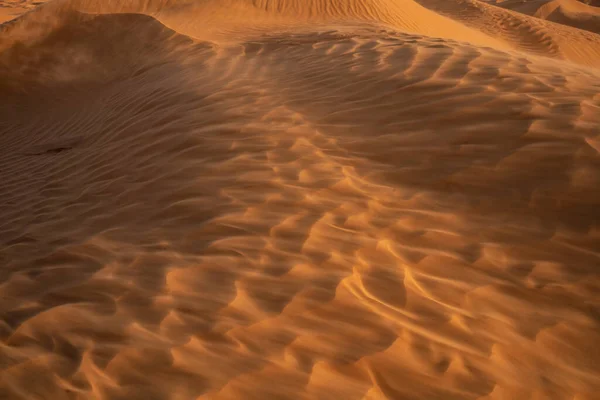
566 12
298 200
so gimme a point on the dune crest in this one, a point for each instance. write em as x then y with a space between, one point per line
523 32
566 12
470 21
205 19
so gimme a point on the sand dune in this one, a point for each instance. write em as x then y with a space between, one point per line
13 8
470 21
567 12
298 200
523 32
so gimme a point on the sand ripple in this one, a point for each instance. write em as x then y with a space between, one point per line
334 212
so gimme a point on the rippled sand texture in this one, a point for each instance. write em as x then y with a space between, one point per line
10 9
567 12
332 208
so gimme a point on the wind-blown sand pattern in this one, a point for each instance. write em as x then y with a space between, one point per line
567 12
344 199
10 9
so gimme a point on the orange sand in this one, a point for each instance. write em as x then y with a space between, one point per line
298 199
567 12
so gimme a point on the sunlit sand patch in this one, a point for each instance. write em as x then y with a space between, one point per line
321 200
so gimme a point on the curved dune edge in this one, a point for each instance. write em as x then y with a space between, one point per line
471 21
215 19
565 12
523 32
337 214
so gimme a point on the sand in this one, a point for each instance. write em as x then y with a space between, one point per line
567 12
298 199
10 9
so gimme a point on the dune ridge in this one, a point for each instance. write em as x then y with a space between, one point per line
523 32
473 21
333 210
566 12
217 18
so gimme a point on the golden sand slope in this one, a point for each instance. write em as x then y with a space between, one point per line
521 31
339 210
10 9
472 21
214 17
567 12
464 20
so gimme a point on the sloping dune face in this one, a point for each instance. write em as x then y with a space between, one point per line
10 9
523 32
567 12
216 16
320 208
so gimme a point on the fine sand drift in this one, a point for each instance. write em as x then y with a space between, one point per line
568 12
298 199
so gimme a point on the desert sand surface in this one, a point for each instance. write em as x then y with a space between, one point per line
11 9
567 12
298 199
